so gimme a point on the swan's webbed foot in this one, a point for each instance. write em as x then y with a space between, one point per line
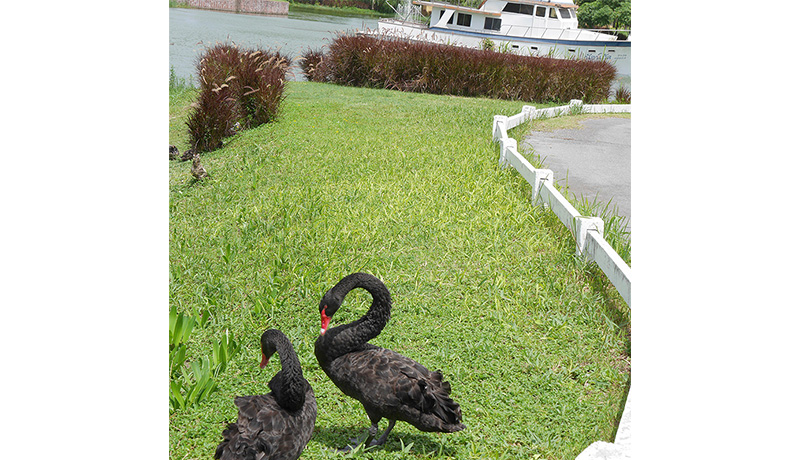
382 440
366 441
369 440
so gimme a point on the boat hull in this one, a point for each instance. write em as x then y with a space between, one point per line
615 52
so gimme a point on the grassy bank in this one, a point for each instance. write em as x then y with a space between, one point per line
346 11
405 186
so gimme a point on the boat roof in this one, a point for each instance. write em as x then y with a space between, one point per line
545 3
450 6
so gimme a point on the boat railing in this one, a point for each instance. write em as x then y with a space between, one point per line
562 34
531 32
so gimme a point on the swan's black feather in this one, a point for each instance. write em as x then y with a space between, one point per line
277 425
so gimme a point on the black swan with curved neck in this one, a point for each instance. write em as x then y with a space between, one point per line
276 425
388 384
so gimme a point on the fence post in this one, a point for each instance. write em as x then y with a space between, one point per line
529 112
505 145
499 127
575 106
540 176
583 225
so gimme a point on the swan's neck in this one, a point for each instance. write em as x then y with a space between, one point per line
352 336
288 386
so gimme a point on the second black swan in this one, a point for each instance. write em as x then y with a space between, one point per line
277 425
388 384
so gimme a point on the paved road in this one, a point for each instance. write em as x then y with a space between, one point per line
594 159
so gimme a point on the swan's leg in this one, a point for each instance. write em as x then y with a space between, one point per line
355 442
382 440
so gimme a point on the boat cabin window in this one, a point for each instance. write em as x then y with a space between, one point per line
449 21
565 13
553 13
540 11
491 23
464 19
518 8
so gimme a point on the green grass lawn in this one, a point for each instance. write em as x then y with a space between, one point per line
535 342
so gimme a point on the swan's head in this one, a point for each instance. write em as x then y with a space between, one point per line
327 308
267 348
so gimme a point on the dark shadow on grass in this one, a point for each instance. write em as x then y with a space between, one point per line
424 443
600 285
621 408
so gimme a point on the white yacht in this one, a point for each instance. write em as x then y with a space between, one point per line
534 27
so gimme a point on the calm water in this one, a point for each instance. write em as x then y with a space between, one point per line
191 31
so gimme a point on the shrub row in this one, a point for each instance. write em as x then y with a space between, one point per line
244 87
383 62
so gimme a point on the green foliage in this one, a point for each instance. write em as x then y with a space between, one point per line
599 14
222 351
360 60
192 386
180 327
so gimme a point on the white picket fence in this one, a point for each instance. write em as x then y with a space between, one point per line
587 230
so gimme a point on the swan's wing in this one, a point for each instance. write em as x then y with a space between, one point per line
270 431
395 386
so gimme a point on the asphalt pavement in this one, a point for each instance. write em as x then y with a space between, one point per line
594 160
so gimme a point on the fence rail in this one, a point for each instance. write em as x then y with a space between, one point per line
587 230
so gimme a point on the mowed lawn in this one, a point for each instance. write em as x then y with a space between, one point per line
534 341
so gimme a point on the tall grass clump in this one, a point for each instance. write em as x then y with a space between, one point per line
261 78
623 95
236 86
391 63
212 118
311 65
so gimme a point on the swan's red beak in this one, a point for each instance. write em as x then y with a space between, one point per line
264 361
325 321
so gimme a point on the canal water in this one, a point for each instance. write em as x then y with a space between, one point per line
192 30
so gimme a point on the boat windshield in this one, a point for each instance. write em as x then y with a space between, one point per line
518 8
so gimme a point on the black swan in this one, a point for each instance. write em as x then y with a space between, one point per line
388 384
276 425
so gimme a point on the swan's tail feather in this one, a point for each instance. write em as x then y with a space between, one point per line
228 435
237 447
437 401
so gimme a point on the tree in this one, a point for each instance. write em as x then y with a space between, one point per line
596 14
